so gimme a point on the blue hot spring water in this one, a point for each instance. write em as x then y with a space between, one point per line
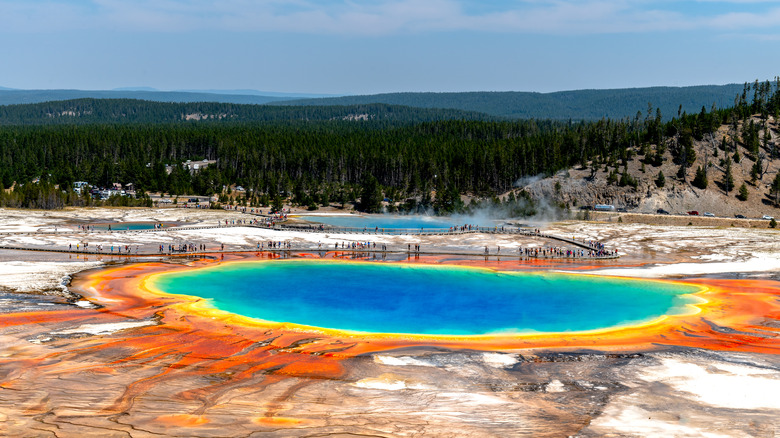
424 299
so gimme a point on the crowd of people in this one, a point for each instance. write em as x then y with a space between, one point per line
182 247
594 248
559 252
99 249
597 249
359 245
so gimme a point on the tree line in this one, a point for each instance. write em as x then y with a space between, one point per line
120 111
336 159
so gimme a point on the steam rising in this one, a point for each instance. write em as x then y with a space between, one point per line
517 205
527 181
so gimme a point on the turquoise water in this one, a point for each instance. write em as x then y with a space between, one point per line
389 221
424 299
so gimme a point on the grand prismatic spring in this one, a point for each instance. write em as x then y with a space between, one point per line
316 342
426 299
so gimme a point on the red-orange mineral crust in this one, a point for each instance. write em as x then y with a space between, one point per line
180 372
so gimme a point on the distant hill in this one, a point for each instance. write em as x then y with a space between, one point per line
137 89
249 92
562 105
96 111
12 97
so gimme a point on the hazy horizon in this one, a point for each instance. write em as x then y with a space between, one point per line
268 93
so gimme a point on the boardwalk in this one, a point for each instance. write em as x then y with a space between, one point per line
143 250
431 232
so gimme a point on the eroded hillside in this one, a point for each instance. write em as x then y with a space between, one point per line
729 145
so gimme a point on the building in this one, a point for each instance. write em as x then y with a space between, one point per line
78 185
192 166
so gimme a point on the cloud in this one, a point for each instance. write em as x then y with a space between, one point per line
744 20
387 17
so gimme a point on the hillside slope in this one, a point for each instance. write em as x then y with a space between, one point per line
581 187
562 105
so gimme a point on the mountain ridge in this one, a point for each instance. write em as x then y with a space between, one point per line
16 97
588 104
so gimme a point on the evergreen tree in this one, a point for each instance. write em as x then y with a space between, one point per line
682 173
278 203
264 200
688 153
757 171
728 179
370 196
448 200
774 190
743 193
612 178
753 174
341 198
700 180
660 180
627 180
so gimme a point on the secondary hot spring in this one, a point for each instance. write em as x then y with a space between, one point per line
425 299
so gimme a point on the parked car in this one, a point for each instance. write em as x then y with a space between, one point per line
662 211
740 216
708 214
767 217
693 213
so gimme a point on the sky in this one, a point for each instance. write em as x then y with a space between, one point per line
367 47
